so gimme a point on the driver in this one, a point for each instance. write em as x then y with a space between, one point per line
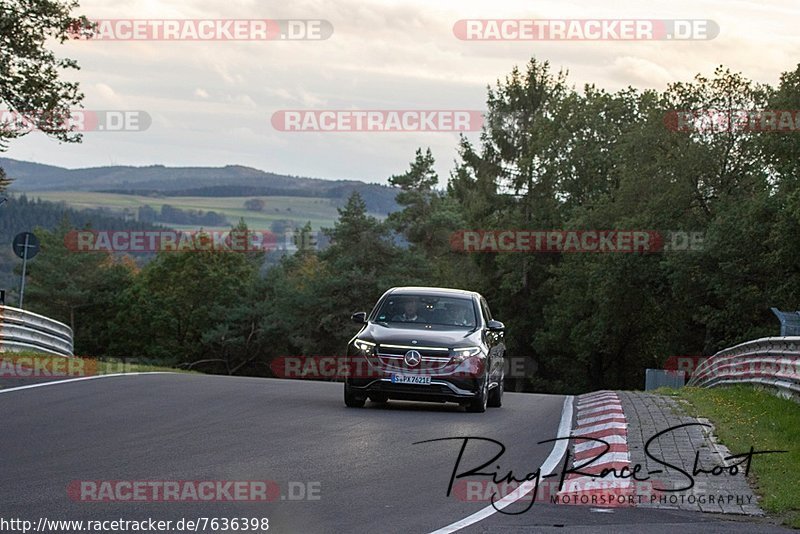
461 316
409 314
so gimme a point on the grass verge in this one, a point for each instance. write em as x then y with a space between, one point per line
107 367
745 416
20 365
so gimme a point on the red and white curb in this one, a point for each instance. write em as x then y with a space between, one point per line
598 415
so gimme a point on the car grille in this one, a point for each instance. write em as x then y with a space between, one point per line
393 357
411 389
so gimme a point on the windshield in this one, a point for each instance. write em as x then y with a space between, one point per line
426 309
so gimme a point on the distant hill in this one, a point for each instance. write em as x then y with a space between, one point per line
228 181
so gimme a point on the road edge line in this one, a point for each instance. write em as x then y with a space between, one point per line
549 465
70 380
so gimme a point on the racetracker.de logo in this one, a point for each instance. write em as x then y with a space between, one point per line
585 29
191 491
76 121
684 364
442 120
559 241
733 120
40 366
203 30
144 241
341 367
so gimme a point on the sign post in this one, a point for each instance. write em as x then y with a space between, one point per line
25 245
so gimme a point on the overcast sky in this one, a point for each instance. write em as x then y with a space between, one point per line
211 102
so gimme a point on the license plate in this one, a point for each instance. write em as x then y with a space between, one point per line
411 379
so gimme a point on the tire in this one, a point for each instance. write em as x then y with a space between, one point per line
479 403
496 395
379 398
351 400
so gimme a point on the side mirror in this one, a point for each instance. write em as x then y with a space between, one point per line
495 326
359 317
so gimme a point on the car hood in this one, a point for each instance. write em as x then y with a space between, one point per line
433 336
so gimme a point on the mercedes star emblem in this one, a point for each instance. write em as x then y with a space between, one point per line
413 358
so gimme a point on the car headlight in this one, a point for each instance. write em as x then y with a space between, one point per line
364 346
461 354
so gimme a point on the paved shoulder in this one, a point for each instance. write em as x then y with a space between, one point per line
678 440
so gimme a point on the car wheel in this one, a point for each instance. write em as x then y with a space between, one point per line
496 395
351 400
379 398
478 404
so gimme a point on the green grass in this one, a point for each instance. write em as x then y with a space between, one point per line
89 367
105 367
745 416
320 211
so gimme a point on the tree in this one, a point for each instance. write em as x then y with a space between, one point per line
147 214
549 158
415 197
255 204
427 221
311 295
4 180
78 288
177 300
29 72
361 263
510 181
783 149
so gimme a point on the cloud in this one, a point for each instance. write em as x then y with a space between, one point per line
383 54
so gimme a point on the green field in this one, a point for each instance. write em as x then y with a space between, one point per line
321 212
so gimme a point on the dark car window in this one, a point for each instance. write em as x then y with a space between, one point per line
426 309
487 314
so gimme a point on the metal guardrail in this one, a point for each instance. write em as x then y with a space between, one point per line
22 330
790 322
769 361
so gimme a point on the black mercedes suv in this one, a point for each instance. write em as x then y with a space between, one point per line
427 344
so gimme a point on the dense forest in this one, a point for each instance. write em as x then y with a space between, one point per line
21 213
172 215
550 157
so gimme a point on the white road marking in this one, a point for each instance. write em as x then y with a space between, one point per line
603 393
602 407
589 445
610 403
70 380
549 465
594 402
597 428
599 402
612 413
598 418
608 457
598 393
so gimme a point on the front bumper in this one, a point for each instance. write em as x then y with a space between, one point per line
451 383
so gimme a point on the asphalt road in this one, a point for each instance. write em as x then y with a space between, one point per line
362 462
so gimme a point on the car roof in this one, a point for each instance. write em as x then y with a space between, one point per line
432 291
